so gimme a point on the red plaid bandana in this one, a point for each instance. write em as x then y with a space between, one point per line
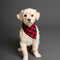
31 31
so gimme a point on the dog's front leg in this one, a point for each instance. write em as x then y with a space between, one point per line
24 50
35 49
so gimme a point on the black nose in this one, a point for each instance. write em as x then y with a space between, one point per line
29 20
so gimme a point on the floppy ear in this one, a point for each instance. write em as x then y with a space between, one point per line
19 16
37 15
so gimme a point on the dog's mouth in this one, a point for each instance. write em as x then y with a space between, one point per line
29 23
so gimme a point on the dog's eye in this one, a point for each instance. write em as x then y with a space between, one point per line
32 15
25 15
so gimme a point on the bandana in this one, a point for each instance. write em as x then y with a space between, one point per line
30 31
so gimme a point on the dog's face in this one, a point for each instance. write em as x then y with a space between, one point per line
28 16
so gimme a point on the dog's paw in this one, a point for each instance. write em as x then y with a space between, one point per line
37 55
19 49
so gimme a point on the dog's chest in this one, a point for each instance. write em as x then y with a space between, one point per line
27 39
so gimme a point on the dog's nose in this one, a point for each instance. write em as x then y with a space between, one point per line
29 20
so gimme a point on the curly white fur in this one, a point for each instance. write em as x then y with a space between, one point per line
25 40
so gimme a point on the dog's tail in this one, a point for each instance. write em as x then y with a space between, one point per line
19 49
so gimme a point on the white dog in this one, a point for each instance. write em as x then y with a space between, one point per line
29 16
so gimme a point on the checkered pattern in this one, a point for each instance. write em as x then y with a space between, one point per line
30 31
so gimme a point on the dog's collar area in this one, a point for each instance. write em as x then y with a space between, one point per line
30 31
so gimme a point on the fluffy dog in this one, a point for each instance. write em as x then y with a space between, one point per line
28 16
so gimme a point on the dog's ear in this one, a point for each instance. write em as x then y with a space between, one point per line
19 16
37 15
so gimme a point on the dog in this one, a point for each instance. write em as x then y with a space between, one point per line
29 33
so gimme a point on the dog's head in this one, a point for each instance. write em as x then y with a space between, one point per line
28 16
